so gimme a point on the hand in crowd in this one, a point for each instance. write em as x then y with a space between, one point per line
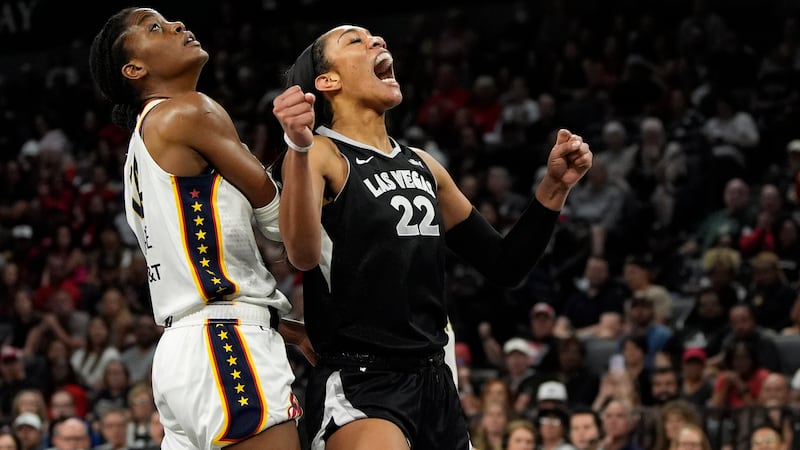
50 324
484 330
562 328
732 381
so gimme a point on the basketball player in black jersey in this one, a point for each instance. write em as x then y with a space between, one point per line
374 269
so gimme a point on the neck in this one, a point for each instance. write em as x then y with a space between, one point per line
171 88
616 443
377 137
363 125
550 443
494 437
690 385
635 368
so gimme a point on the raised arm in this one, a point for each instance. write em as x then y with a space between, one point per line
507 260
304 173
194 130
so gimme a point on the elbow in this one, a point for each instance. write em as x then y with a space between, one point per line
303 249
303 259
304 265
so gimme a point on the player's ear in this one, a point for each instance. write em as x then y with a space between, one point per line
134 70
328 81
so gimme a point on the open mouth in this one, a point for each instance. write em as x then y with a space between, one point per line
190 39
384 66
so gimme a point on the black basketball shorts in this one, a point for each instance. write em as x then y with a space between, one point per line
416 394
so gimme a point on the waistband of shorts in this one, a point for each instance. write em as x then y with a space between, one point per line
398 363
245 313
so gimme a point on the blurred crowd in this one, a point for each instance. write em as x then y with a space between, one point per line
663 315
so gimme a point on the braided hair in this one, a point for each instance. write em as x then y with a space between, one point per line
107 55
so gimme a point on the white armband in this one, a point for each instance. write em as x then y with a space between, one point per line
267 219
294 146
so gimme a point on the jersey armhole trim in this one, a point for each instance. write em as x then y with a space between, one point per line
149 106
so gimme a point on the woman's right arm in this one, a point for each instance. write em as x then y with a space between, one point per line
309 161
301 207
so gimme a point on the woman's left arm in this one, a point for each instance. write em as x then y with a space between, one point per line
506 260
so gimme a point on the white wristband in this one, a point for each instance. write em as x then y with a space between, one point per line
294 146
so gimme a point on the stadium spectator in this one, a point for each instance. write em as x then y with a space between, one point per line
30 429
695 387
585 429
745 328
618 423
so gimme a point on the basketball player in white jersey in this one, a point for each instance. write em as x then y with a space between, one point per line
193 191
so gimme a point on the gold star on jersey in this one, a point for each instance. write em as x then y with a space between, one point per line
236 380
196 201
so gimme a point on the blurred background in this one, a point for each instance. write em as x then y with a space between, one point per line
669 292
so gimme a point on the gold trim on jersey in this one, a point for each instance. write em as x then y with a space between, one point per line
244 404
201 234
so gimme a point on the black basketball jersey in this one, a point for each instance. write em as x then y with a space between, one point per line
379 287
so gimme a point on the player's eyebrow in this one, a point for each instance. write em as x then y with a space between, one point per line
348 30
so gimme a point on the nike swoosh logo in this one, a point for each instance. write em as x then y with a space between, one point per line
363 161
415 162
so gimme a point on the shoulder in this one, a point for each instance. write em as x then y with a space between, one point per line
187 116
665 330
660 332
192 104
435 166
324 142
187 109
422 154
766 335
658 290
326 155
111 353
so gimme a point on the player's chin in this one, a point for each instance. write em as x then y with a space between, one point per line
392 98
397 98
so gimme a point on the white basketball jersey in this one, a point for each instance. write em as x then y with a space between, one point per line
196 235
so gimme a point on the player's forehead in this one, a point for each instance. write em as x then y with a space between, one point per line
341 30
139 15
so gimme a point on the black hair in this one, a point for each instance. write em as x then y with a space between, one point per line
744 344
559 412
304 71
588 411
750 308
107 55
574 340
663 370
637 339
